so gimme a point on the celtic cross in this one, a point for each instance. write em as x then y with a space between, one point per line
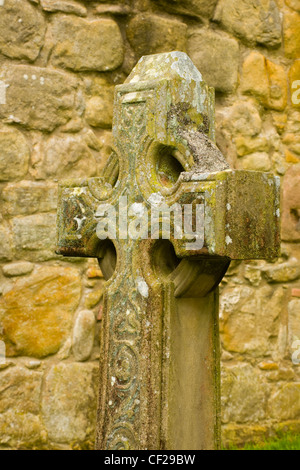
159 365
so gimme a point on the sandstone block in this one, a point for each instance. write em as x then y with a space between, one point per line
34 236
196 8
22 30
216 56
291 205
294 320
254 22
294 4
84 335
6 252
29 197
65 156
17 379
17 269
37 98
265 80
291 33
259 161
87 45
151 34
285 272
69 402
250 318
245 394
285 403
14 154
36 314
99 110
63 6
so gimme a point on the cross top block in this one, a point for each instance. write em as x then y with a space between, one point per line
159 386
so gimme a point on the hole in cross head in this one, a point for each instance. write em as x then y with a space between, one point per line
107 258
296 216
164 258
168 165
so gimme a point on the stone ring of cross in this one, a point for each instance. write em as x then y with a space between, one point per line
165 220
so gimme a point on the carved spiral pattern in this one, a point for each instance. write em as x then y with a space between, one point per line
123 373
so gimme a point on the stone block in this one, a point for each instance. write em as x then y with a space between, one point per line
265 80
36 313
254 21
28 197
22 30
14 154
82 45
291 32
34 237
69 402
245 394
250 318
84 335
65 156
37 98
194 8
291 205
216 56
151 34
284 404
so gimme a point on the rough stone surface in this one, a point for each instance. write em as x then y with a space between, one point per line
20 391
294 320
37 98
63 6
36 314
11 382
250 318
14 155
216 56
68 402
65 156
87 45
285 272
245 394
197 8
259 161
22 30
5 243
84 335
17 269
254 21
99 109
285 403
149 34
34 236
291 205
28 197
294 4
266 80
291 34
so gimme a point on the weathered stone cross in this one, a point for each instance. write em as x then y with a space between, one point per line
160 381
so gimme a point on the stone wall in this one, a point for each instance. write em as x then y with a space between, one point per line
59 63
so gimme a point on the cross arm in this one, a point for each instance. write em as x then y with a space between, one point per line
76 222
242 213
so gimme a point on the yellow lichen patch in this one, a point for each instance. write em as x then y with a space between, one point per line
265 80
268 366
291 33
36 314
290 157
